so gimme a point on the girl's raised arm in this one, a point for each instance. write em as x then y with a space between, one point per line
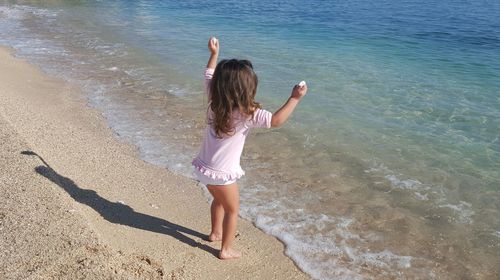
213 47
286 110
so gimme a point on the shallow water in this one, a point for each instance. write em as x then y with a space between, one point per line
390 166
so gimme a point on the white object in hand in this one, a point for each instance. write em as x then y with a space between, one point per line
214 40
303 83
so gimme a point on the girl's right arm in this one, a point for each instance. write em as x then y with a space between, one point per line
283 113
213 46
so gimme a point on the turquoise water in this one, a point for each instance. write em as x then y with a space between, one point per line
389 168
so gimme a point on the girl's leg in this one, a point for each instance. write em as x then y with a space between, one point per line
229 197
217 216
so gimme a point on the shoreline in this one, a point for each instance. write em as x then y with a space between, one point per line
136 214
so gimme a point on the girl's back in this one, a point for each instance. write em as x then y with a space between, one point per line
219 157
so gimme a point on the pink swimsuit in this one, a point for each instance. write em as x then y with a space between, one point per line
218 162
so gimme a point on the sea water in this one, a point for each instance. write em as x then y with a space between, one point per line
389 167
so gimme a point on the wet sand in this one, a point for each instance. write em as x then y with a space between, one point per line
78 203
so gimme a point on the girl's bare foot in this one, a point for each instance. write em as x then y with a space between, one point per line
229 254
214 237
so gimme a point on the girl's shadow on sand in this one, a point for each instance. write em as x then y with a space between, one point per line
119 213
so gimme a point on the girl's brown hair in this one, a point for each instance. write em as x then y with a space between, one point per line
233 87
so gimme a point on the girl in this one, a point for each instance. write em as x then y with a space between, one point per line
232 111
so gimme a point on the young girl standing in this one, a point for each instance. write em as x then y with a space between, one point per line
232 110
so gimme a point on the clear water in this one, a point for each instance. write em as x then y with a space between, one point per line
389 168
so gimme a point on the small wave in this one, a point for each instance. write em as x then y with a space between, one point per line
396 182
463 210
408 184
321 245
20 12
12 13
425 192
420 196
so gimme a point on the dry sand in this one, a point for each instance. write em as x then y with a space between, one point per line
75 202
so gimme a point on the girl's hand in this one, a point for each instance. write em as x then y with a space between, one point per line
213 45
299 91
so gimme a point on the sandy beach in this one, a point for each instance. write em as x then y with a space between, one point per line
78 203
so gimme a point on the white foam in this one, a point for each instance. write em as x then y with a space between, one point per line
177 90
496 233
420 196
19 12
13 12
408 184
344 223
321 245
384 258
40 12
463 210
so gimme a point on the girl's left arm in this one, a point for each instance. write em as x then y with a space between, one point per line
283 113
